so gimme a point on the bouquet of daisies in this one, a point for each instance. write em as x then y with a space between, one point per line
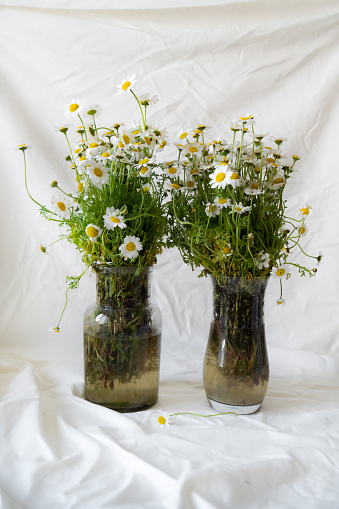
227 209
116 213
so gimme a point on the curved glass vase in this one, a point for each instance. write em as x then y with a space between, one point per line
236 364
122 335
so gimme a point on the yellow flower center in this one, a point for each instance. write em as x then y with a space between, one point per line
176 186
130 246
226 250
115 219
148 141
77 151
183 135
246 118
83 158
146 188
220 177
278 180
144 161
280 272
93 145
194 171
97 172
235 176
126 85
254 185
172 170
270 160
238 209
80 187
126 138
190 183
163 144
92 232
222 201
211 208
105 154
193 150
305 211
144 170
73 107
61 206
302 230
161 420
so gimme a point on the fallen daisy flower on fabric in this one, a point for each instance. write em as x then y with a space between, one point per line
163 419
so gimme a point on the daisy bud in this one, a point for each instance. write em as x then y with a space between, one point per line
54 183
63 129
43 249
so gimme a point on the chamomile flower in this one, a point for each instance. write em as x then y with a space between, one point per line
145 162
189 185
302 230
280 271
146 100
145 171
93 109
93 231
223 202
98 174
227 250
126 137
212 209
219 176
277 182
113 218
94 148
146 188
234 179
239 208
74 108
172 186
281 302
305 210
23 147
262 260
192 149
62 206
130 247
172 171
161 418
126 84
252 189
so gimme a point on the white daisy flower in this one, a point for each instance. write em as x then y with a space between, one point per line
146 188
281 302
145 171
93 109
193 149
126 137
303 230
94 148
130 247
277 182
239 208
262 260
74 108
161 145
219 176
161 418
93 231
227 250
182 135
280 271
146 100
223 202
104 157
113 218
145 162
62 206
190 185
158 131
126 84
54 329
172 186
98 173
252 189
234 179
305 210
172 171
212 209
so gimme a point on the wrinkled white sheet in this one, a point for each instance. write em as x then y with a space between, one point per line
210 64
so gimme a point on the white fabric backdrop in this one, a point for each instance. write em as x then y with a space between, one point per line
208 63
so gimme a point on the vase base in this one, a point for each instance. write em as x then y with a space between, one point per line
238 409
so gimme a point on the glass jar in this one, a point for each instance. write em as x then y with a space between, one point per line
122 336
236 363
